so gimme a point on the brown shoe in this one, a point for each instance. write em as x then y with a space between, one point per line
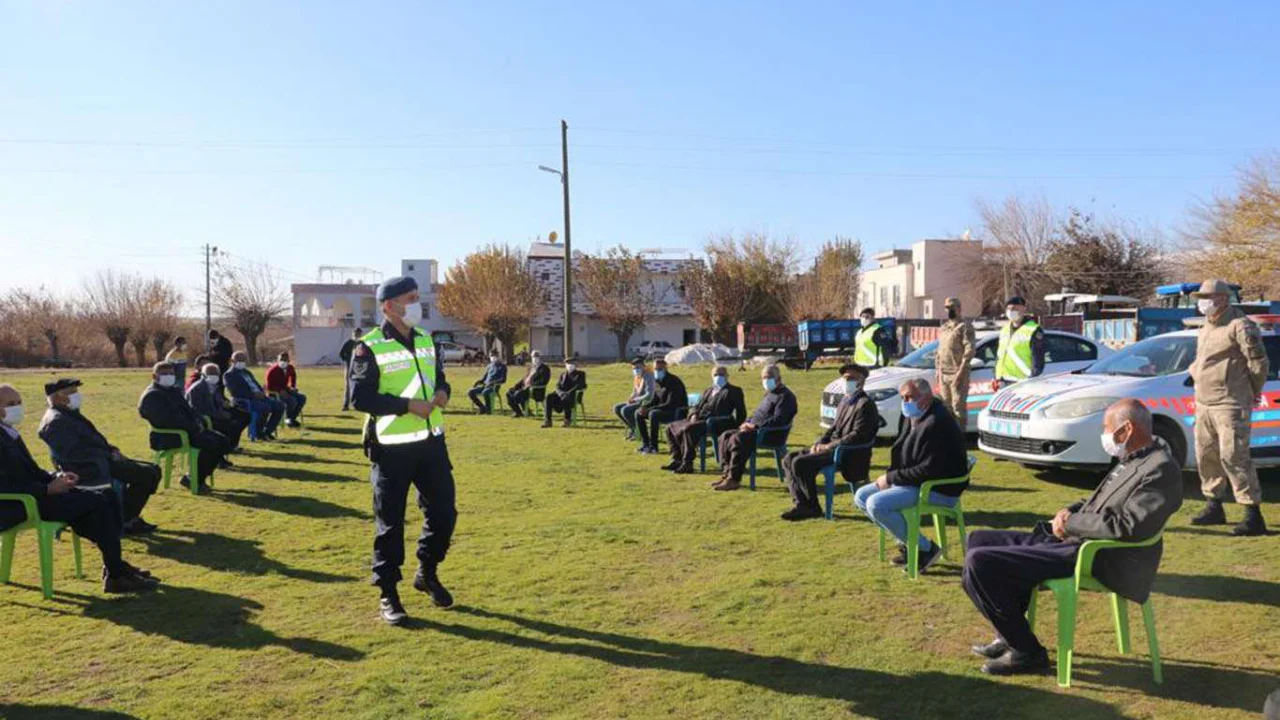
728 485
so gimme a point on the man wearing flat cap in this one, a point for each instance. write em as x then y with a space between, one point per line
1020 354
1229 370
77 446
397 379
955 351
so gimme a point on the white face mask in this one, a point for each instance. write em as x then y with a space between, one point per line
537 361
13 415
1013 315
1206 306
493 358
212 380
1110 446
284 365
570 367
866 321
74 400
412 314
166 380
239 366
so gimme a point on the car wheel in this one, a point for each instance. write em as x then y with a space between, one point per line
1172 436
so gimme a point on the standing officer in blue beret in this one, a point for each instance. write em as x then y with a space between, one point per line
397 379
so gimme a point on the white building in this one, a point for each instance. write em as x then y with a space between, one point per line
914 283
324 314
672 319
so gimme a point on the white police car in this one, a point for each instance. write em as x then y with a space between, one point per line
1057 421
1064 352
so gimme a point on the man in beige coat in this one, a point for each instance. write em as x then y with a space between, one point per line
1229 371
955 351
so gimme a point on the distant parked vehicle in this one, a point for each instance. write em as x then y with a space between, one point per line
650 349
452 352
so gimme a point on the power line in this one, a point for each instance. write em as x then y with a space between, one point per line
895 175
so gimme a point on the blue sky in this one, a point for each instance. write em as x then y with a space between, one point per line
311 133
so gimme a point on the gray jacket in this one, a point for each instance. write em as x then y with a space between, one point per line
1133 503
77 446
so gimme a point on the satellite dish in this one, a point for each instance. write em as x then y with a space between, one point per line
552 237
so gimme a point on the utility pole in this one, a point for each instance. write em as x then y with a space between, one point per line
208 294
568 249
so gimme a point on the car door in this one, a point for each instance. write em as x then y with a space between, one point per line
1265 443
982 379
1066 353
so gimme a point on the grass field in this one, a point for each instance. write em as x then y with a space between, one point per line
590 585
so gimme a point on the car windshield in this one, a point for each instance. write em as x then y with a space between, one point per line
922 358
1155 357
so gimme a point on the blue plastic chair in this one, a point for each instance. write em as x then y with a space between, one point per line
778 447
715 426
829 472
247 405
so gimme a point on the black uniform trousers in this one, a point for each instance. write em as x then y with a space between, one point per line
140 480
1001 570
93 515
231 428
346 386
425 465
736 447
559 403
684 438
800 470
517 396
213 447
647 421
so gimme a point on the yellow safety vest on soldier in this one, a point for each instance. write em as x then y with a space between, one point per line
1015 360
402 374
867 352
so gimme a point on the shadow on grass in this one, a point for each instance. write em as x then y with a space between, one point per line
219 552
1002 519
331 444
868 692
335 430
297 473
1223 588
1190 681
59 712
290 504
305 457
212 619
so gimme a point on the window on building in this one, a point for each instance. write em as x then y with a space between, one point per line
426 311
546 276
690 337
897 297
918 265
410 267
884 297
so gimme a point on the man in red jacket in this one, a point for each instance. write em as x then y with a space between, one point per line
282 381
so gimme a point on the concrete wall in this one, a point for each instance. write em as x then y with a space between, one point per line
945 268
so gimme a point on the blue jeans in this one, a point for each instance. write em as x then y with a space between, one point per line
626 412
885 507
293 403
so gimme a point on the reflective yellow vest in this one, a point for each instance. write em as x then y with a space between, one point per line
1013 355
866 353
407 375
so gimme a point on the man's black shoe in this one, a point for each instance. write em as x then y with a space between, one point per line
684 470
801 512
428 582
1253 523
546 423
1018 663
927 558
517 414
671 465
185 481
567 423
138 526
901 557
390 609
1212 514
124 583
225 464
992 651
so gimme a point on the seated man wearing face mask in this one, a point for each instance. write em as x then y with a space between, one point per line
856 423
163 405
930 447
205 397
721 402
668 401
77 446
571 381
244 389
641 390
92 514
482 392
776 409
533 385
282 381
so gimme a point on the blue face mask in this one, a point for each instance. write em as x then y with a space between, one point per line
911 409
659 374
770 384
637 371
720 381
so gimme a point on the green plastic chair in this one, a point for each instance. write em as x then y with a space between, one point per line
164 458
1068 589
580 414
940 515
533 397
46 532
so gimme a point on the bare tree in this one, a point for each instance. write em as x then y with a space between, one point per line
35 316
251 297
109 297
744 279
157 301
1017 236
1237 236
830 288
493 291
1104 257
619 290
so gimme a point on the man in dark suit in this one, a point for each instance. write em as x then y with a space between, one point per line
856 423
219 350
931 446
78 447
668 400
244 388
206 398
163 406
482 392
776 410
348 347
92 514
571 381
1003 567
721 402
533 385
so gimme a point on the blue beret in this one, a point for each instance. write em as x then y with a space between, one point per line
395 287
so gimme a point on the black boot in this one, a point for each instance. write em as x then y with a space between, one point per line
1212 514
428 582
1253 523
1013 662
390 608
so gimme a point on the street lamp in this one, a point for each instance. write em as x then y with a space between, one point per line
568 256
